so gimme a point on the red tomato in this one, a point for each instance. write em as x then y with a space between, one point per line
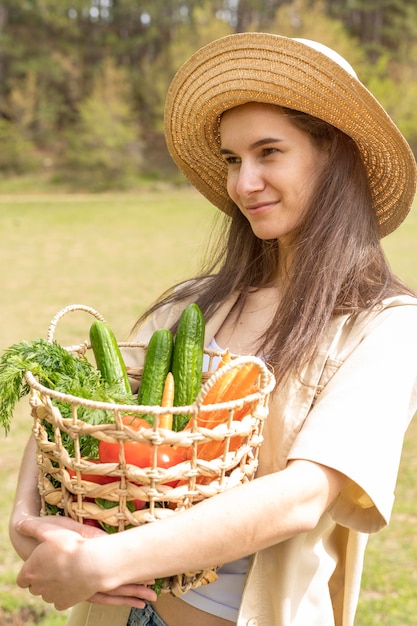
140 454
136 452
168 456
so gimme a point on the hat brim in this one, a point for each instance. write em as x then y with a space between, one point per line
273 69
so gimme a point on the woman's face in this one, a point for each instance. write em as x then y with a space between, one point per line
273 167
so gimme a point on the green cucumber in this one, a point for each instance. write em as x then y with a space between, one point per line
108 357
155 369
187 360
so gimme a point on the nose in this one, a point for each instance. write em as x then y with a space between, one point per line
249 179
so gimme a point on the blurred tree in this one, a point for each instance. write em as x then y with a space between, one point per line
17 154
153 46
307 18
396 86
39 52
253 14
380 25
103 150
52 53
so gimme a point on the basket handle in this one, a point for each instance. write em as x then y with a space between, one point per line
69 309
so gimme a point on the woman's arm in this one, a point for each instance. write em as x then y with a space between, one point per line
27 501
235 523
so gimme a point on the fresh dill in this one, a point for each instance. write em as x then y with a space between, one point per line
60 370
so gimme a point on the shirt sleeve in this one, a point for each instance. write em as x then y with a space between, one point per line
358 423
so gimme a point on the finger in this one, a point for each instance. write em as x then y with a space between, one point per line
85 530
24 581
131 595
25 527
35 527
103 598
135 590
39 527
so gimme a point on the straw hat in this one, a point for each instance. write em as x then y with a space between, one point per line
296 74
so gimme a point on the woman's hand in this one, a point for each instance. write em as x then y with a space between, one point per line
64 567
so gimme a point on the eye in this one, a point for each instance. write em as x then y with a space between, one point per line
268 151
231 160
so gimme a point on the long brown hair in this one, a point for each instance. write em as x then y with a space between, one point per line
338 265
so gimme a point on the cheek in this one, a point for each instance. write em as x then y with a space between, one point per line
310 176
231 185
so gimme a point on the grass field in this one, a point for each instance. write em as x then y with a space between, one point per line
116 253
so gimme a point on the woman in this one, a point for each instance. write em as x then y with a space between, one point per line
311 172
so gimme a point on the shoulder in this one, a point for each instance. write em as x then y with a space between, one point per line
399 313
397 303
393 317
365 340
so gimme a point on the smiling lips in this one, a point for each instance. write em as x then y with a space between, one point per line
260 207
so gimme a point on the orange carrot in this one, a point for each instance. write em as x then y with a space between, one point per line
237 383
226 357
165 419
220 386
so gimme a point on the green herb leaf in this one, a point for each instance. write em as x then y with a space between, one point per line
60 370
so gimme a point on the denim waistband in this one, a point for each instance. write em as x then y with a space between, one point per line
145 617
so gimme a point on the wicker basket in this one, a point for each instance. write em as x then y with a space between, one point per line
62 478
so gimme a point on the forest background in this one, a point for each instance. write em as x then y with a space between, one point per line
83 82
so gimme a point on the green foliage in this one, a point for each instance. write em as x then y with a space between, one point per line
52 55
103 150
307 19
380 25
56 369
185 33
44 98
17 154
395 86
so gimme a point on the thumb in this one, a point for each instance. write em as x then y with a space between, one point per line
36 527
39 527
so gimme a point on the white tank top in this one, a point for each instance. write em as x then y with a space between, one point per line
223 597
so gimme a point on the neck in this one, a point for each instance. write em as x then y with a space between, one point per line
286 256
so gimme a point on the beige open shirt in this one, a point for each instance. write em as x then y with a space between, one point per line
350 412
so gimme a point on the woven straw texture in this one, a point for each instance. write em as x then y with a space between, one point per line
63 482
269 68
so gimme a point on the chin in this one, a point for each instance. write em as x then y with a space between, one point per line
270 233
272 229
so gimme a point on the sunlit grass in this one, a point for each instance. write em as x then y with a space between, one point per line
116 253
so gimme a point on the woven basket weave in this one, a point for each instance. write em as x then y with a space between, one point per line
62 478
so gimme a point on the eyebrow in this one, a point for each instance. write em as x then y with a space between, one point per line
256 144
